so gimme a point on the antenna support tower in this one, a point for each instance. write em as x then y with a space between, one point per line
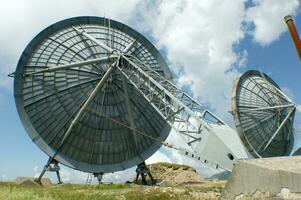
294 33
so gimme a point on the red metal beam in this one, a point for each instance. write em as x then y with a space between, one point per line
295 36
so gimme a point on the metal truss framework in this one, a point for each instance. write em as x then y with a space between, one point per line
189 118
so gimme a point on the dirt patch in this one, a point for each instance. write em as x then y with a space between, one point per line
30 181
168 174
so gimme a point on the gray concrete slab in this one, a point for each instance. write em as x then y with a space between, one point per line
267 176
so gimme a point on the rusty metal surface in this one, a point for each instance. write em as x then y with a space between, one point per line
294 33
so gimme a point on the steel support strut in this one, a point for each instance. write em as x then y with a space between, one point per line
51 166
72 65
280 127
87 102
199 135
101 44
249 109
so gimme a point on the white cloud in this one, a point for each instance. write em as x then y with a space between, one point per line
121 176
199 37
299 108
267 16
288 92
36 170
4 177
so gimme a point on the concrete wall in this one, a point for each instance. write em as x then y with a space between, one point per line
267 176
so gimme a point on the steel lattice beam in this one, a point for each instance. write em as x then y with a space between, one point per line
182 112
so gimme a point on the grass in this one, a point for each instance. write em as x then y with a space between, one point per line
12 191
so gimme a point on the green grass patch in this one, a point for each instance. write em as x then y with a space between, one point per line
12 191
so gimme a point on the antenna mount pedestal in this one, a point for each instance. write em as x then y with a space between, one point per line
99 177
142 170
51 166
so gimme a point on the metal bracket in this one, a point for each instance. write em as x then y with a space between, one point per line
11 75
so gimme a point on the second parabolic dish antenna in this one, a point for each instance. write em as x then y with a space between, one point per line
72 115
263 115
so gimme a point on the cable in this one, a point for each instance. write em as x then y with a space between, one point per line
130 128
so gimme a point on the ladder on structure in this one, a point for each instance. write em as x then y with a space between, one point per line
89 178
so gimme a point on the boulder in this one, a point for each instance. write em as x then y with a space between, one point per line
30 181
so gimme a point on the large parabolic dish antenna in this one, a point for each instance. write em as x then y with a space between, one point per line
263 115
50 92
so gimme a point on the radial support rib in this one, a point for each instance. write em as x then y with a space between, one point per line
279 128
101 44
267 108
71 65
87 102
127 48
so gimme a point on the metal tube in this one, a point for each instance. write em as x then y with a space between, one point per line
127 48
295 36
75 64
87 102
100 43
279 128
267 108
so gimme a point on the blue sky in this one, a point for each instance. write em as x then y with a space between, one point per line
205 53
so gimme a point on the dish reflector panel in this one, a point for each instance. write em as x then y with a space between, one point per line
263 115
48 101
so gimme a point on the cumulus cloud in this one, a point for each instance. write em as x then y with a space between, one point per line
267 17
299 108
4 177
288 92
199 39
